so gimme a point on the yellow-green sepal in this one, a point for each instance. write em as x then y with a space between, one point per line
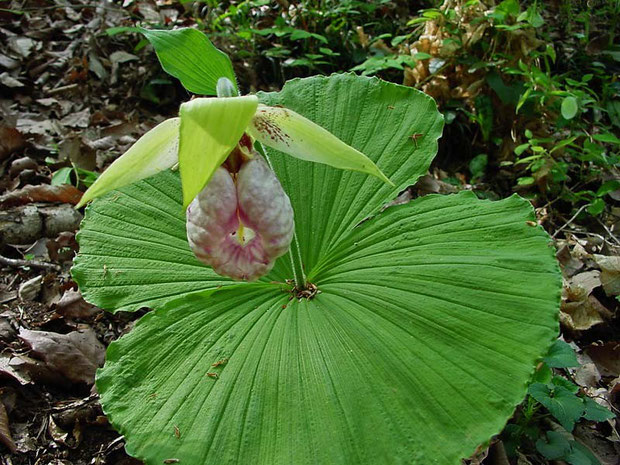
295 135
210 129
155 151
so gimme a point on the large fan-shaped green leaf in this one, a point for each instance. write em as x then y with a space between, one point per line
373 116
134 251
428 323
417 349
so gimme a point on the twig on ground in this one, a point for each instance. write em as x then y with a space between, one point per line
17 263
582 208
611 234
60 89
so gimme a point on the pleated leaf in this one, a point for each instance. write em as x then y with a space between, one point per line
375 117
429 321
189 55
134 251
428 325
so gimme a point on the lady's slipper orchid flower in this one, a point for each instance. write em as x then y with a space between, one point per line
208 129
201 139
240 223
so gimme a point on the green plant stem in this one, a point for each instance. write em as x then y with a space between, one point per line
294 251
298 268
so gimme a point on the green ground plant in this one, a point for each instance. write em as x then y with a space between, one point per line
399 335
543 73
527 90
552 393
562 121
302 38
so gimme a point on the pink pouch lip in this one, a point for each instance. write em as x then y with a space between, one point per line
253 199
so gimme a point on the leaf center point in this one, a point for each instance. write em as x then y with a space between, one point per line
308 291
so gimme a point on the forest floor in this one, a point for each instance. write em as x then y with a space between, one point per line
72 99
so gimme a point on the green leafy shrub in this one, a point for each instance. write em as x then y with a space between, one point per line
290 39
552 392
406 334
542 109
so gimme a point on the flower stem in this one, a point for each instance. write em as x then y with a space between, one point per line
297 265
294 251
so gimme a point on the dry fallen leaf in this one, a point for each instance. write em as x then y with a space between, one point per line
36 371
72 305
583 284
22 45
22 164
57 434
5 433
570 265
6 329
9 81
582 315
76 355
9 368
607 357
610 273
63 247
64 193
580 310
10 141
79 119
30 289
586 374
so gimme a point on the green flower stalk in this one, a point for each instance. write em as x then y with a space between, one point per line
211 132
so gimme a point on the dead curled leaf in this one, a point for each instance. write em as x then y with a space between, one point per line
72 305
570 264
5 433
10 367
79 119
582 315
63 247
22 164
76 355
10 141
57 434
607 357
30 289
64 193
610 273
586 374
580 310
582 284
31 370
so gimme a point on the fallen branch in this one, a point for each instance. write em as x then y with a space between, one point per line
18 263
570 221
